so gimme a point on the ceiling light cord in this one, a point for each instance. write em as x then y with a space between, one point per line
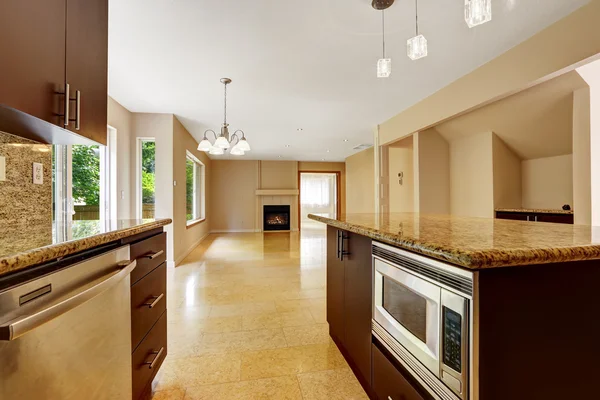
383 30
225 108
417 16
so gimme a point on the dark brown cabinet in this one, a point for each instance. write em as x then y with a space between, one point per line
389 383
558 218
51 44
349 298
33 56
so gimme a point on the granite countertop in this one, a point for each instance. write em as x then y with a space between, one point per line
535 210
24 244
475 243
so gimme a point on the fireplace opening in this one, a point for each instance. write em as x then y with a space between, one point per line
276 218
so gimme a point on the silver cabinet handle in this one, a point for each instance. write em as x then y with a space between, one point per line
66 102
77 118
535 218
152 364
153 304
27 323
390 398
528 218
154 255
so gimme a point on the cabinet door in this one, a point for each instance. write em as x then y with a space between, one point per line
87 65
512 215
389 383
556 218
33 56
335 286
358 302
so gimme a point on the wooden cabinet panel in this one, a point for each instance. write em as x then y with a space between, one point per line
153 288
148 255
87 65
510 215
556 218
33 56
389 383
358 303
147 352
335 286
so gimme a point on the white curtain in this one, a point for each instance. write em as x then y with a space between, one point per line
317 190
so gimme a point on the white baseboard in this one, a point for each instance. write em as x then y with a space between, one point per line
235 231
187 252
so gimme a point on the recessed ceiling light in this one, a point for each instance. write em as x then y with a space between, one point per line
279 156
299 129
328 150
345 140
287 145
322 159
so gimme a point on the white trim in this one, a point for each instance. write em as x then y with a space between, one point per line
188 251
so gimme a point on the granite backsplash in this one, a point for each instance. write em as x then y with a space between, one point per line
22 201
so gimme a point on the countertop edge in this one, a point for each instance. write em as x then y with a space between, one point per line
472 260
19 261
535 211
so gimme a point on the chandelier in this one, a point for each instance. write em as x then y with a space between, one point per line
224 141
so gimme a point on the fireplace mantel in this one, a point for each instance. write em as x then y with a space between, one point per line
277 192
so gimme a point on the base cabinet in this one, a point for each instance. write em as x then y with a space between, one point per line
389 383
536 217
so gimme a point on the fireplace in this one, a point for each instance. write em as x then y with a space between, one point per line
276 218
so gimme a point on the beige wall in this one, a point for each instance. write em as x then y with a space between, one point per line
360 182
471 176
507 175
534 60
121 119
329 167
279 175
433 172
548 182
582 189
401 195
232 193
187 238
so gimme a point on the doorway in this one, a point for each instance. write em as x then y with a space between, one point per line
319 194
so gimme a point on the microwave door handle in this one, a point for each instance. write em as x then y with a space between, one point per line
27 323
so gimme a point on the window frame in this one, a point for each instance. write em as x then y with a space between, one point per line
199 193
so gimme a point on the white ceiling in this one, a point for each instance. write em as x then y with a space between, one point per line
300 64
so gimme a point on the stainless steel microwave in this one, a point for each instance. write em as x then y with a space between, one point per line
422 311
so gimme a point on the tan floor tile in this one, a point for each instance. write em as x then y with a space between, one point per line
242 341
183 313
230 310
280 388
291 360
202 370
289 305
339 384
319 314
175 394
277 320
308 334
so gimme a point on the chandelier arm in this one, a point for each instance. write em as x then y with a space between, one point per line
211 131
236 137
243 134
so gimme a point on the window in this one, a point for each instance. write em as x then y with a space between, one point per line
146 174
194 186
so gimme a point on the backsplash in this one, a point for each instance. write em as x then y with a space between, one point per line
21 200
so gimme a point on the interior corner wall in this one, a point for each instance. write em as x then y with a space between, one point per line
530 62
186 238
159 127
432 152
401 190
507 175
582 179
232 192
548 182
471 176
360 182
121 119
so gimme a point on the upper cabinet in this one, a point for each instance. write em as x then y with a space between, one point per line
47 46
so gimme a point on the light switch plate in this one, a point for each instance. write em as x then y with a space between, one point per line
38 173
2 168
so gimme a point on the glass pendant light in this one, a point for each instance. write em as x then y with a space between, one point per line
222 142
478 12
384 65
237 151
243 144
204 145
416 47
217 151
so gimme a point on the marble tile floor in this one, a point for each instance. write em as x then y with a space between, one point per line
247 320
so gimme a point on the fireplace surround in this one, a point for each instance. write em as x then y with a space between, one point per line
276 218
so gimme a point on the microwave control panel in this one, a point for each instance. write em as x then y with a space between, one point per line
452 324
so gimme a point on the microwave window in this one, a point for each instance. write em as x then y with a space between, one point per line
407 307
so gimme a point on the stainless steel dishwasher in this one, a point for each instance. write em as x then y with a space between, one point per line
67 334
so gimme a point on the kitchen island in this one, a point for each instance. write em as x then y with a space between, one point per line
93 292
526 304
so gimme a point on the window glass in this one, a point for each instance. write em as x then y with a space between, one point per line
148 152
194 186
408 308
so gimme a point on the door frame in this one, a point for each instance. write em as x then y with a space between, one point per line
338 186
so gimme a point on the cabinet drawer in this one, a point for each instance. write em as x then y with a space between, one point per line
149 291
389 382
148 255
148 357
